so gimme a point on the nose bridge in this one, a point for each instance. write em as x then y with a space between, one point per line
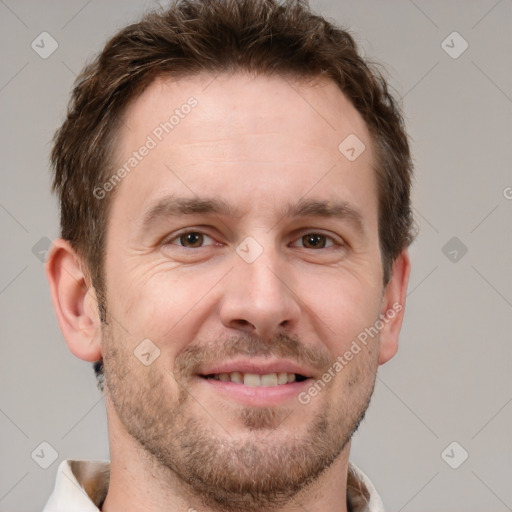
258 297
265 277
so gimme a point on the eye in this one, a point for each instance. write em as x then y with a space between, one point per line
316 241
190 240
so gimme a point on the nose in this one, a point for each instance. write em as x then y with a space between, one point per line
259 297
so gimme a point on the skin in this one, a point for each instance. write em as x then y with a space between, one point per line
258 143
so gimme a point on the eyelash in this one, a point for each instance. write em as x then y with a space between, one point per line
179 235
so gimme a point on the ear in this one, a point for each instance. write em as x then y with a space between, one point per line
74 301
393 307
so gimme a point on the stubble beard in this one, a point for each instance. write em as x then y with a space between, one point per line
261 466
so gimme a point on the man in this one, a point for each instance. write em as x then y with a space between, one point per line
234 184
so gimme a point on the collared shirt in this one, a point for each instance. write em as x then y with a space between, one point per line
82 486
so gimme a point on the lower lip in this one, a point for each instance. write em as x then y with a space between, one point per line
258 396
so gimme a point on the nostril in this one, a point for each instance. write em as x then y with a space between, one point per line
243 323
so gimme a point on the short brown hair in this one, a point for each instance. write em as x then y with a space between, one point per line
265 37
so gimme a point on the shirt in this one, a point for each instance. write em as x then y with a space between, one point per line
82 485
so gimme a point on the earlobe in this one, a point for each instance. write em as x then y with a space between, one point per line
393 307
74 301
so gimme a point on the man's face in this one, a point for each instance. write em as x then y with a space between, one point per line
263 289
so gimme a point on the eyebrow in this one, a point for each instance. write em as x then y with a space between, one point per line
172 206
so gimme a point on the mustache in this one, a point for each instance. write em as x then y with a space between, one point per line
282 345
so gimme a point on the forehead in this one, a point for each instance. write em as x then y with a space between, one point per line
237 104
236 134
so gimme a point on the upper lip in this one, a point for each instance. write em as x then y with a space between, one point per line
253 365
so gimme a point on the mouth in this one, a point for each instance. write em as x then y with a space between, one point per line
256 382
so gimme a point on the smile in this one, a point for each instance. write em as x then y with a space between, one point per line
256 380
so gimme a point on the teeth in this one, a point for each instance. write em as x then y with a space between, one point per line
269 380
236 377
255 380
252 380
282 378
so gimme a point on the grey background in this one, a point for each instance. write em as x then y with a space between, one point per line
451 380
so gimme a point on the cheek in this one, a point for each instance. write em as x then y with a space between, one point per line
342 308
161 302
